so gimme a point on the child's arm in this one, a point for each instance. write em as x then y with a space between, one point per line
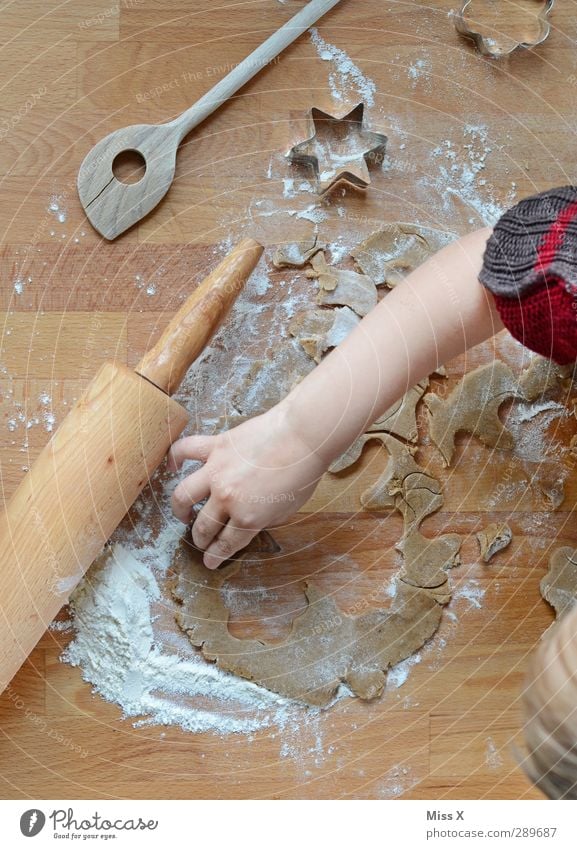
259 473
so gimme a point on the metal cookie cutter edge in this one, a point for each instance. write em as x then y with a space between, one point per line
376 146
484 44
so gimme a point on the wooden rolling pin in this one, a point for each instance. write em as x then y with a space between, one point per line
550 700
97 463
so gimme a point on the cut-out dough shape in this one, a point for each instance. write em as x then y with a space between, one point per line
325 647
473 407
392 253
356 291
318 330
493 538
339 149
559 586
296 255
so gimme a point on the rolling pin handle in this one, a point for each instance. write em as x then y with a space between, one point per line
198 319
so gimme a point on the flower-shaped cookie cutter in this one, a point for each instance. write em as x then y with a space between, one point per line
493 47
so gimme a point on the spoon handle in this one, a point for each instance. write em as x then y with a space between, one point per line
250 66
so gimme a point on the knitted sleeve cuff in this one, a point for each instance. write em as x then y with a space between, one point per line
530 266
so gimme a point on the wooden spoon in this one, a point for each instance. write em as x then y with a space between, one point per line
113 206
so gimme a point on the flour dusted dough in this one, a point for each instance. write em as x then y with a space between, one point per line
296 255
268 381
317 330
473 406
559 586
427 560
353 290
390 254
325 647
540 377
494 538
323 273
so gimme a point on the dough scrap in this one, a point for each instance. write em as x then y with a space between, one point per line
540 377
493 538
390 254
553 492
297 254
473 406
323 273
559 586
317 330
325 647
356 291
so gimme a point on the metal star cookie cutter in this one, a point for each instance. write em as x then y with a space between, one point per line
340 149
496 49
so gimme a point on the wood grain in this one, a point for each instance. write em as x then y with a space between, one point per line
451 725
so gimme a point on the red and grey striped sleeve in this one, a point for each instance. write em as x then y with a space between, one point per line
530 266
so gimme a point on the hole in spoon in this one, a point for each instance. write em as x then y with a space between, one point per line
129 166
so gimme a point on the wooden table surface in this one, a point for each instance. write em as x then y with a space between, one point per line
71 72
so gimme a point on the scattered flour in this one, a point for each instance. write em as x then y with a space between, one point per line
472 592
57 208
397 781
346 74
493 758
460 176
398 674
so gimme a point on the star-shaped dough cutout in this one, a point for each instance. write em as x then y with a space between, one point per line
340 149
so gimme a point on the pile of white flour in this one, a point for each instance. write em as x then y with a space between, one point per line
120 654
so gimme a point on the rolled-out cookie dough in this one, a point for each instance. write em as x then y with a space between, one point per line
427 560
559 586
473 406
540 377
405 486
325 647
493 538
401 418
390 254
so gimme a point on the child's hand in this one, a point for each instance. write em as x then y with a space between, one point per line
255 476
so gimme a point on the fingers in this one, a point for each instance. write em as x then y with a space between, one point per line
209 523
189 448
190 491
229 541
